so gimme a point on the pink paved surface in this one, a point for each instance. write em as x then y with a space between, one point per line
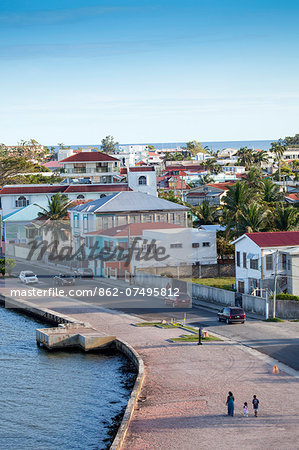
182 405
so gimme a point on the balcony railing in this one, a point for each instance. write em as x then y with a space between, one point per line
93 170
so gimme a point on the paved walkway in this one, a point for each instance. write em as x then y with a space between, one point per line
183 400
182 404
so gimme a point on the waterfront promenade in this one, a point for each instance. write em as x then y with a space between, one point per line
182 402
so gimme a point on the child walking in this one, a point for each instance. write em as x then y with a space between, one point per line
245 410
255 403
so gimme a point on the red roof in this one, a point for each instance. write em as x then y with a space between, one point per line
223 186
98 188
52 164
89 157
135 229
31 189
142 169
293 196
275 238
141 163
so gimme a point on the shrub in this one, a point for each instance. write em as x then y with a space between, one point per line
287 297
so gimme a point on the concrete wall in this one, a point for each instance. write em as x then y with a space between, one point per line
213 295
285 309
254 304
214 270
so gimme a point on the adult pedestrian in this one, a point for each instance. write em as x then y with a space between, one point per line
255 403
230 404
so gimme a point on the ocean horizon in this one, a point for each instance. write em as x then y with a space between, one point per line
214 145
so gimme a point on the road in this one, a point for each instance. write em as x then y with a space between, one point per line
278 340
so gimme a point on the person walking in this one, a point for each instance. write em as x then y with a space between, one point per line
245 409
230 404
255 403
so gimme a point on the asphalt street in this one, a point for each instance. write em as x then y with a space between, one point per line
278 340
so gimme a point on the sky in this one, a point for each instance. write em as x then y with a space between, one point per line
74 71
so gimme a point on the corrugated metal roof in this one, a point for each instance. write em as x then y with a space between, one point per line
275 238
89 157
129 201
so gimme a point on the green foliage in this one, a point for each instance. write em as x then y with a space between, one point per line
270 192
221 282
2 266
286 218
287 297
9 265
274 319
253 218
292 142
57 208
108 144
194 147
206 214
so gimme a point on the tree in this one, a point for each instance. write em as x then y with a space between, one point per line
278 148
12 166
253 218
206 179
286 218
270 192
292 142
9 265
54 215
224 249
108 145
254 178
206 214
194 147
237 196
246 157
260 157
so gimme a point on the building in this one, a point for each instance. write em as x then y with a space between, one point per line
16 197
259 256
212 193
123 208
94 166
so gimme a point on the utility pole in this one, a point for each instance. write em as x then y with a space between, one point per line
275 285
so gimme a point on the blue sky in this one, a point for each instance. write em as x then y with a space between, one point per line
74 71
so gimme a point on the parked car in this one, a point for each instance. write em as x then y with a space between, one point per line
232 314
181 301
83 273
64 280
28 277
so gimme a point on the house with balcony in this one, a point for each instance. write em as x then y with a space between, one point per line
94 166
261 256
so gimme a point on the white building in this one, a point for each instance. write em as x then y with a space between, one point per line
143 179
258 256
95 166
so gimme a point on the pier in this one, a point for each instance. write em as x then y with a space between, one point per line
73 335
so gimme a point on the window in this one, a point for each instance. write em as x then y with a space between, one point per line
195 245
80 197
142 180
102 195
284 261
269 262
244 260
21 202
254 264
206 244
238 259
289 264
176 245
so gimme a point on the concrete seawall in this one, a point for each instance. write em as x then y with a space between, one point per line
62 320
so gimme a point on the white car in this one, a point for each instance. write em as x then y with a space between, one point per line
27 277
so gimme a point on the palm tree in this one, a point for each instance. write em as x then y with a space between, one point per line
245 156
286 218
54 216
278 148
254 178
260 157
206 214
206 179
237 196
270 192
253 218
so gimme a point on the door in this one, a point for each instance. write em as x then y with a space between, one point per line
241 287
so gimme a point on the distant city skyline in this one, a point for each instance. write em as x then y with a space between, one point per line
172 71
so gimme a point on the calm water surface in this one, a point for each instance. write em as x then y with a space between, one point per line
55 400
